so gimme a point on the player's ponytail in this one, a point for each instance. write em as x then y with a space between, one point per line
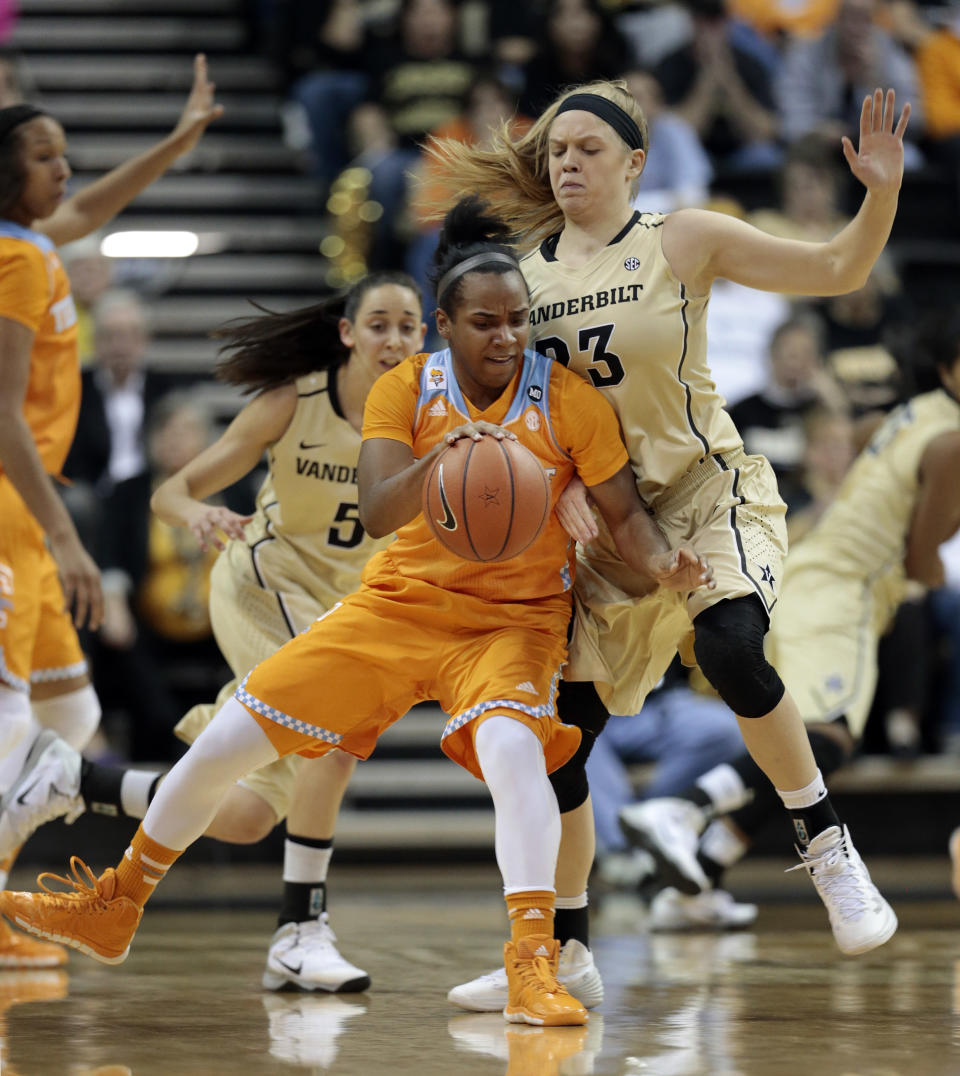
270 349
472 240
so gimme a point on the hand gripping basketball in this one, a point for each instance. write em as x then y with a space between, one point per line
486 500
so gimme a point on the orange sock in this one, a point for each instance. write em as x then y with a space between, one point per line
144 863
530 912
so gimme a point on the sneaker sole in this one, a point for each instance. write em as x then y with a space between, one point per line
14 962
279 984
470 1005
522 1016
669 870
72 943
885 933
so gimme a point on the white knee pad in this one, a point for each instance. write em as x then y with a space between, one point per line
74 717
16 720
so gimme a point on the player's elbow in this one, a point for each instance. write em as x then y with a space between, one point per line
373 521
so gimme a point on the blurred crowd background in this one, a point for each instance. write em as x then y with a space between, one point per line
309 181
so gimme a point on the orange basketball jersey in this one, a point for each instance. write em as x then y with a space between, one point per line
35 291
566 423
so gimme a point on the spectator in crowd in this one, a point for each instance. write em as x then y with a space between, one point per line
684 733
418 83
155 656
91 275
828 451
320 49
776 18
580 42
723 91
936 53
679 173
488 104
772 421
118 391
810 187
867 332
823 80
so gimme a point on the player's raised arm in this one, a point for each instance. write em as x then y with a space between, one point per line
103 199
701 245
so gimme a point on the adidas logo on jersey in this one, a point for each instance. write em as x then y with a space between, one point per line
438 409
526 686
533 913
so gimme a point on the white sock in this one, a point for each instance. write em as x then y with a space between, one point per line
722 845
806 796
135 788
725 788
304 864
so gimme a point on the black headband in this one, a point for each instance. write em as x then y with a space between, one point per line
622 122
15 115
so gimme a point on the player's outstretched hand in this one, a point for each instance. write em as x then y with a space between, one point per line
200 109
682 569
208 521
878 160
575 511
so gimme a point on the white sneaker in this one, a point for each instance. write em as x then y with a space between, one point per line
714 909
47 787
669 829
304 956
304 1029
859 916
576 971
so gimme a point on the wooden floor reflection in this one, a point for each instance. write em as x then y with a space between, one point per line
776 1001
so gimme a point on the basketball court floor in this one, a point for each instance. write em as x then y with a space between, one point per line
777 1000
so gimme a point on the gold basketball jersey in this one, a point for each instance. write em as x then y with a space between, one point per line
626 324
306 529
865 529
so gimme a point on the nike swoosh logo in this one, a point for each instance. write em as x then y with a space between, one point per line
306 448
293 970
449 522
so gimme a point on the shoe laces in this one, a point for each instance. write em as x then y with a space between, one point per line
538 972
88 890
316 933
838 878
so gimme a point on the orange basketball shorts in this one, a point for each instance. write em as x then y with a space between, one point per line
361 666
37 638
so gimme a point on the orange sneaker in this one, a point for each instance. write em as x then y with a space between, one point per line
91 919
534 994
19 951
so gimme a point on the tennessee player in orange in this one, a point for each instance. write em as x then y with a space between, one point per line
44 570
487 641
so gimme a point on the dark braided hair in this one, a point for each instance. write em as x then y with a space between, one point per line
271 349
469 228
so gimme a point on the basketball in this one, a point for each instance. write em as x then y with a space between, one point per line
486 500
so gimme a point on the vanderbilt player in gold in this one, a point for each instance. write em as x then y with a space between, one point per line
621 297
280 569
878 541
